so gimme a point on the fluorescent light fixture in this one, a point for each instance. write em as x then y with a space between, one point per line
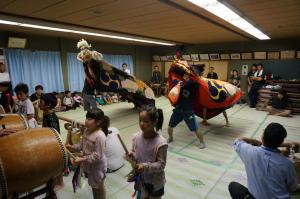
225 13
107 35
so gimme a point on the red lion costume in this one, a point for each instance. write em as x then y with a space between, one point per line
215 95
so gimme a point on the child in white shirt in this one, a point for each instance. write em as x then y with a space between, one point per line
23 105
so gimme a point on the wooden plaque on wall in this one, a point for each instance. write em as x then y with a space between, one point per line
273 55
246 55
204 57
260 55
287 54
225 56
195 57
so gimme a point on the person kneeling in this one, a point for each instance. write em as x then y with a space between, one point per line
270 174
281 105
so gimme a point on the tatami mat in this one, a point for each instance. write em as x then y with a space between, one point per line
191 173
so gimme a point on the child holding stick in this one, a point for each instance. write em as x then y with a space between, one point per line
92 145
149 153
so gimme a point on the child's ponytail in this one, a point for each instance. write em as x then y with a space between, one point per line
105 124
160 119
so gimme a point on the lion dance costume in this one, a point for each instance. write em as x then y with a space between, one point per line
106 78
215 95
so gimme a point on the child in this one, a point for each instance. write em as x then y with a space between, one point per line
235 78
48 102
68 101
184 110
149 151
78 99
23 105
114 97
106 98
92 145
58 106
99 100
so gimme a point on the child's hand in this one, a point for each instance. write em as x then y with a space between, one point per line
139 168
68 146
129 157
79 160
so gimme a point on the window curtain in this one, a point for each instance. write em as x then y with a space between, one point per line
34 68
76 73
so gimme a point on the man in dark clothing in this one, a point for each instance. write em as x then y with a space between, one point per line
212 74
258 81
156 76
281 105
89 102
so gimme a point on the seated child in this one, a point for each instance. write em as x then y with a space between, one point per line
23 105
106 98
99 100
114 97
149 152
77 99
68 101
92 145
281 105
58 106
48 102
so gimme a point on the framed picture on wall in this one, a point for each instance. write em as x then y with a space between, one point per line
186 57
235 56
171 58
260 55
273 55
204 57
195 57
163 58
246 55
298 55
156 58
225 56
214 56
287 54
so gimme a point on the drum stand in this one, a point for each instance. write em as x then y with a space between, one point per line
48 190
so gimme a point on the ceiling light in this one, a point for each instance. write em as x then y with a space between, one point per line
107 35
225 13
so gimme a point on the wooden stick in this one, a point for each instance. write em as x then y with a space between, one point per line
71 154
123 144
70 120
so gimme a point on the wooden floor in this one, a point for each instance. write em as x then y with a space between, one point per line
191 173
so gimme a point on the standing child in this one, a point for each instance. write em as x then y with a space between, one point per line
48 102
92 146
149 152
23 105
68 101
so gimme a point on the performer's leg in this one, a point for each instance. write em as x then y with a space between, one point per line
204 121
190 120
251 97
175 119
226 117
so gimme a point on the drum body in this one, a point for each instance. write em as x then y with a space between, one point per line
13 121
30 158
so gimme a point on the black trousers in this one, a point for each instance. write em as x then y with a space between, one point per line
253 94
238 191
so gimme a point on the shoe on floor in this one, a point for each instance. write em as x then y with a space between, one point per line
202 146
